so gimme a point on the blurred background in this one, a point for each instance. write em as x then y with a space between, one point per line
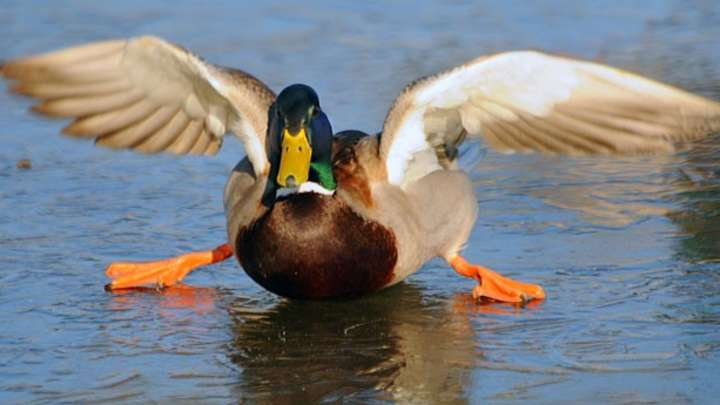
627 249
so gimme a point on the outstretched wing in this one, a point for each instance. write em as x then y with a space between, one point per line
530 101
148 95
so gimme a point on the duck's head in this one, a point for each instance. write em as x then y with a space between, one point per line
299 139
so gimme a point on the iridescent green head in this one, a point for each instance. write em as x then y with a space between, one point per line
301 139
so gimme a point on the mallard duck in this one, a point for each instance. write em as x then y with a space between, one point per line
316 215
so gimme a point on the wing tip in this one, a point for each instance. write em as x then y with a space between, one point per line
10 69
213 147
20 88
75 129
46 108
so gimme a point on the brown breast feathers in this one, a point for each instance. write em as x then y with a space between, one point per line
314 246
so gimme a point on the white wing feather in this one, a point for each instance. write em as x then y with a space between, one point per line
529 101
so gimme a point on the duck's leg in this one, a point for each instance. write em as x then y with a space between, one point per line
162 272
494 286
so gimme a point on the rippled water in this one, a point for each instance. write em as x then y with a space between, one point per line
628 250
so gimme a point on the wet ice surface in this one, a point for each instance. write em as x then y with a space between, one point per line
627 249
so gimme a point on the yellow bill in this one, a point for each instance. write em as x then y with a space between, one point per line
294 159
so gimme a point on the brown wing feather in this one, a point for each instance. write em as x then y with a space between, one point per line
146 94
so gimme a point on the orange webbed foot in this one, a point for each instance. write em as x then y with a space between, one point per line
495 286
162 273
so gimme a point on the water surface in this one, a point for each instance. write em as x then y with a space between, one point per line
628 249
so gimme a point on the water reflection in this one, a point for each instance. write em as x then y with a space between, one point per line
696 290
199 299
607 192
697 182
400 343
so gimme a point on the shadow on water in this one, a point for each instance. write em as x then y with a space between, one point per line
398 342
